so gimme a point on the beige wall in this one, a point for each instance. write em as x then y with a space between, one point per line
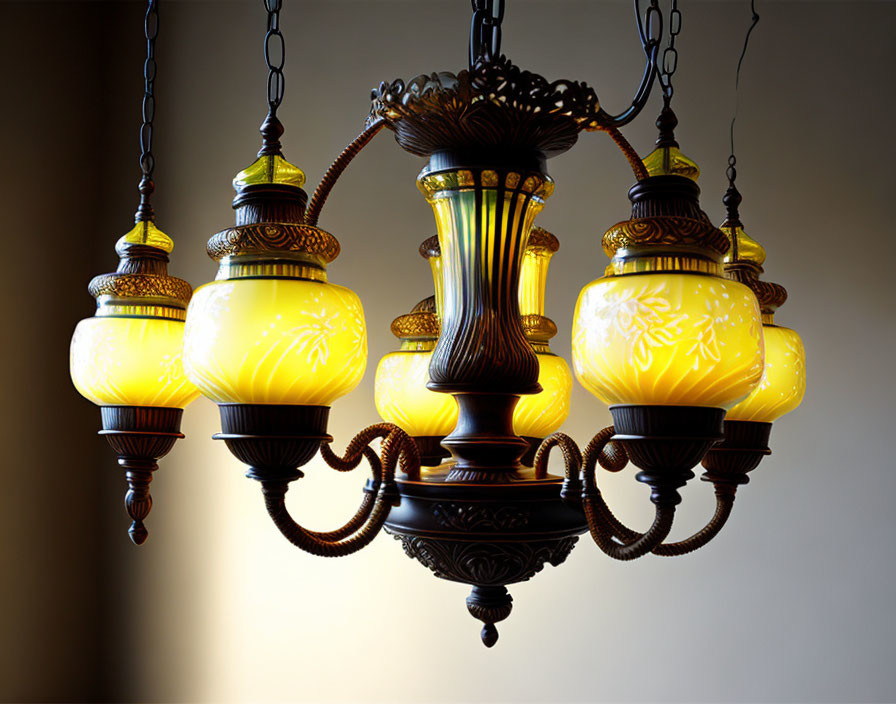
792 603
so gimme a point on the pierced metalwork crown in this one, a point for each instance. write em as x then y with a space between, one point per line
494 105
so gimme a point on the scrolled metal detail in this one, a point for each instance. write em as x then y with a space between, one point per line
486 564
141 286
484 105
664 230
471 517
273 237
422 324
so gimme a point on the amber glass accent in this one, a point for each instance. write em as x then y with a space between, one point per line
272 168
743 247
669 161
146 233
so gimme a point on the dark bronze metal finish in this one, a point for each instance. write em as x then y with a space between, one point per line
431 451
665 442
140 435
744 446
486 535
274 440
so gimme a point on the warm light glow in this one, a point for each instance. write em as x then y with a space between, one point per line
118 361
402 397
533 280
783 378
284 341
676 339
539 415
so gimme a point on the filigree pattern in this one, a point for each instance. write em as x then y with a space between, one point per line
471 517
486 564
267 237
495 102
664 230
668 339
176 290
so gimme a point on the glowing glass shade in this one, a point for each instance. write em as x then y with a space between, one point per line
277 341
674 339
533 280
402 397
539 415
130 362
783 378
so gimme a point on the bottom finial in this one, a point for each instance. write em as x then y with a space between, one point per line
489 605
138 533
489 635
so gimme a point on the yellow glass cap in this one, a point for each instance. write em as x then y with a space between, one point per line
743 247
669 161
146 233
272 168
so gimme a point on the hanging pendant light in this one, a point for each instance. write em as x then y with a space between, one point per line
127 359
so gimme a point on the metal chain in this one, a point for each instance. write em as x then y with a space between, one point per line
731 172
147 160
485 30
669 63
275 47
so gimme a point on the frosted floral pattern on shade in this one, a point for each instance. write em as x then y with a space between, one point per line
783 379
278 341
131 362
402 397
676 339
539 415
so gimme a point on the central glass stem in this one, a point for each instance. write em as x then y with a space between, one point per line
484 217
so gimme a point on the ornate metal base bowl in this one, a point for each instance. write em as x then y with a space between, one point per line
485 535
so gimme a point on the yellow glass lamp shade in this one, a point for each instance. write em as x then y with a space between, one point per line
121 361
275 341
783 381
539 415
403 399
668 339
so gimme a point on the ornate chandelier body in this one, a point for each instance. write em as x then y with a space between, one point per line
678 331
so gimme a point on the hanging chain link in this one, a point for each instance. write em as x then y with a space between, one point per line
731 172
669 63
274 55
485 30
147 160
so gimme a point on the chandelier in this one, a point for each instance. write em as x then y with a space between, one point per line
678 336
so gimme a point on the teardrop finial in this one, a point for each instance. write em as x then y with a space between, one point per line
489 605
138 533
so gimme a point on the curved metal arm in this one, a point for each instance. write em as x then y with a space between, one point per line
612 457
364 526
596 510
651 46
322 192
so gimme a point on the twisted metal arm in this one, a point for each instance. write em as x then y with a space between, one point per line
612 457
322 192
613 537
364 526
